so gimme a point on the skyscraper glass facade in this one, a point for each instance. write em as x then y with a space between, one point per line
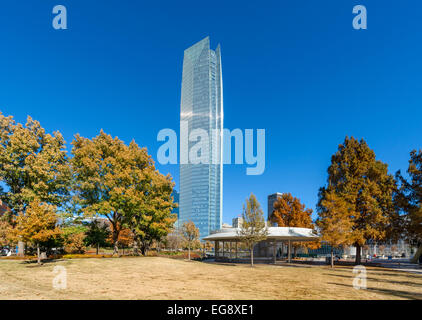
201 185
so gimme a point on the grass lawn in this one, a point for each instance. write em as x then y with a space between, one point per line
164 278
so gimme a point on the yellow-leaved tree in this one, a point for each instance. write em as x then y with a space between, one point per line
190 234
334 222
33 164
120 182
37 225
253 228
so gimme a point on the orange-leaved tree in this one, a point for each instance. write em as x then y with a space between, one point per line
363 182
290 212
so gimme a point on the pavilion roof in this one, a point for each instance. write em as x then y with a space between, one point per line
274 233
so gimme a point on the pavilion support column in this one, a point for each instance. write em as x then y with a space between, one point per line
230 254
235 252
275 251
290 252
223 248
282 249
216 248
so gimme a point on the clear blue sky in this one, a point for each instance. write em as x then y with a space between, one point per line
295 68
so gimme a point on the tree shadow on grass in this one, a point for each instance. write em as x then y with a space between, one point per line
383 272
226 264
407 283
395 293
400 273
289 265
34 263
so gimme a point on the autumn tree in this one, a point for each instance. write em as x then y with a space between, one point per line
151 220
366 187
334 222
174 239
97 235
112 179
33 165
190 234
125 239
37 225
253 228
74 236
409 201
290 212
5 231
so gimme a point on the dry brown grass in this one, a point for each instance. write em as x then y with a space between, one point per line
163 278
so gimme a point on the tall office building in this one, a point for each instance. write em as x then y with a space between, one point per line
201 185
175 211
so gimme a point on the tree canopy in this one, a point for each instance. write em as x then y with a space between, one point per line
290 212
366 187
38 224
33 164
254 227
190 234
409 200
121 183
334 222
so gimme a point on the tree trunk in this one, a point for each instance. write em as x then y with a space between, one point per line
251 256
21 249
115 241
135 248
38 254
189 252
116 248
358 255
332 257
418 253
144 248
289 253
282 250
98 248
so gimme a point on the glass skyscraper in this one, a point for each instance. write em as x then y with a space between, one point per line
201 185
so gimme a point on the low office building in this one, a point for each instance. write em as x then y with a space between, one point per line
272 198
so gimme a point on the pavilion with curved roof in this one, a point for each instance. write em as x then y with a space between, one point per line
275 237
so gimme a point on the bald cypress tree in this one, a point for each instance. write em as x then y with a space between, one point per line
334 222
290 212
366 187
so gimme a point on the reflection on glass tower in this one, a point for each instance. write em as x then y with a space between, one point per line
202 108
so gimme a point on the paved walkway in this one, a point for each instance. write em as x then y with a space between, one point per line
400 264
